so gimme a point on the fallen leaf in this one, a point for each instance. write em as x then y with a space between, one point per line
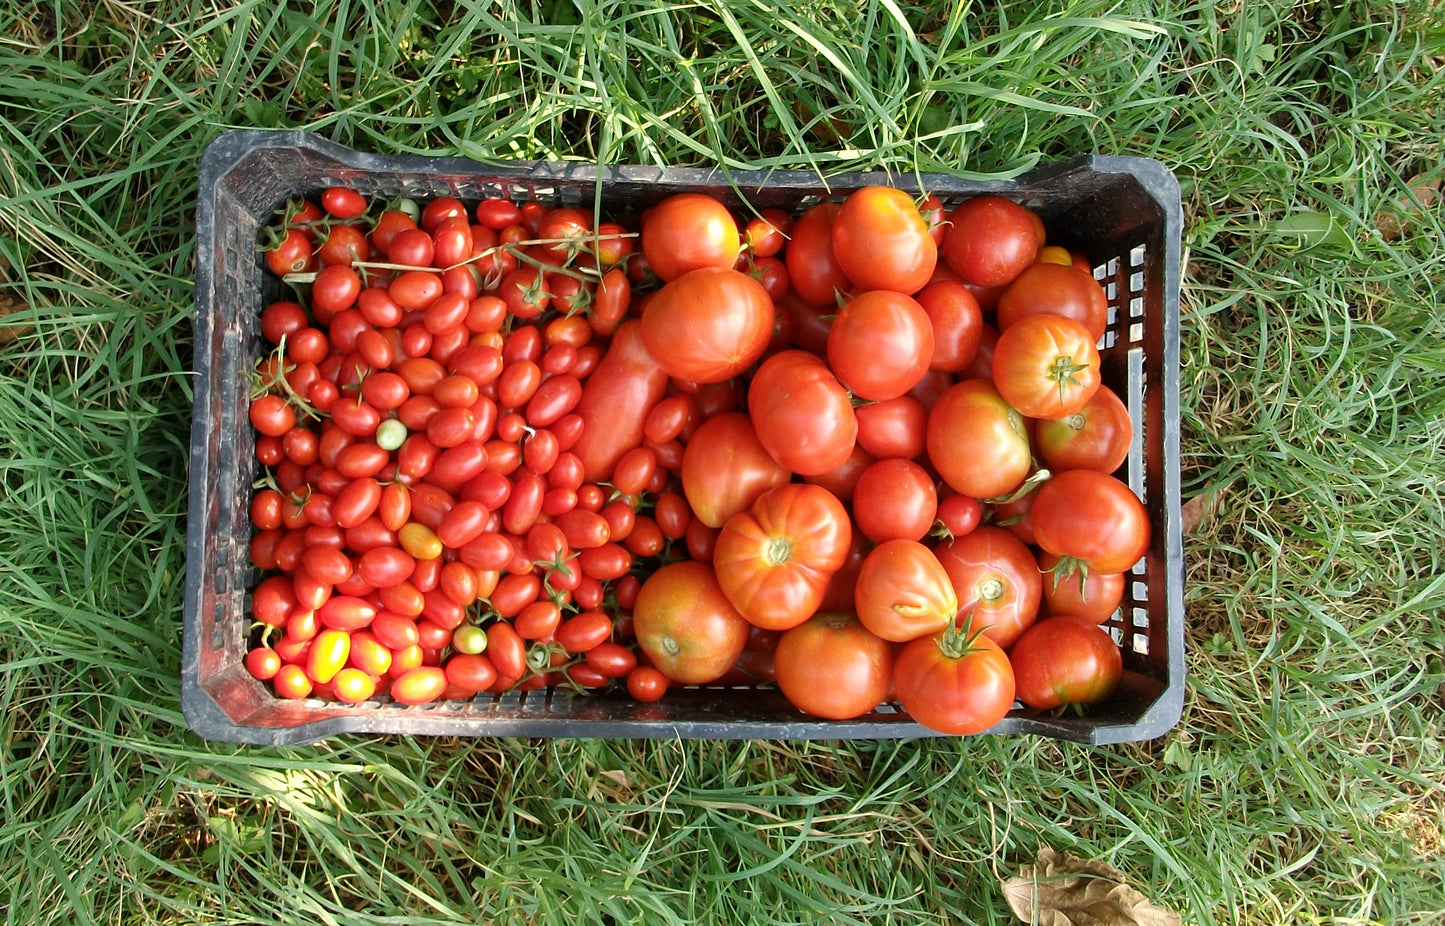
1202 507
1065 890
9 306
1393 221
624 782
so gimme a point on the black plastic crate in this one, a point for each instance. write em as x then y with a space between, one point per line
1124 213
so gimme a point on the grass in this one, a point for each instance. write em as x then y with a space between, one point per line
1304 784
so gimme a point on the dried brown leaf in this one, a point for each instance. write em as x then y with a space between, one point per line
9 306
1203 507
1065 890
1393 221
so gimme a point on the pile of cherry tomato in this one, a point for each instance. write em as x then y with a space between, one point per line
862 452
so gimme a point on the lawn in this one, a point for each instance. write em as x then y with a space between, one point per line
1305 782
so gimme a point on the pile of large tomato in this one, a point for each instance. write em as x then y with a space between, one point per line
862 452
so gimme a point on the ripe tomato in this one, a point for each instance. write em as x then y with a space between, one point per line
990 240
708 325
834 667
774 560
1091 517
957 324
976 442
958 515
1092 595
343 202
801 413
686 625
646 684
1096 436
996 579
615 401
1065 660
1046 366
688 231
893 427
272 415
880 344
1052 289
903 591
725 468
895 499
881 241
813 270
954 683
292 254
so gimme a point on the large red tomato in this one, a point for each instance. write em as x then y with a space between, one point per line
1046 366
686 625
990 240
774 560
880 345
954 683
997 581
1055 289
615 401
895 499
903 592
957 323
708 325
801 413
687 231
976 442
833 667
813 271
881 241
1065 660
1091 517
725 468
1096 436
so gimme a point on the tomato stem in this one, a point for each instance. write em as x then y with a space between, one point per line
1037 478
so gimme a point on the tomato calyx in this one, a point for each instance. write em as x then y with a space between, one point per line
778 551
1064 372
1068 566
959 639
1037 478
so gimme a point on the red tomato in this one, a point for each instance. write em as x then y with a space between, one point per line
954 684
1097 436
774 560
957 324
1065 660
813 270
343 202
996 579
1052 289
990 240
834 667
843 481
292 254
1092 595
880 344
895 499
686 625
881 241
903 591
801 413
708 325
725 468
688 231
646 684
1091 517
615 401
263 663
272 415
958 515
893 428
977 442
1046 366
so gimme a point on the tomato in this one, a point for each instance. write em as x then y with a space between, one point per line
880 344
957 323
997 581
646 684
1092 595
774 560
291 682
328 654
1093 518
990 240
507 651
834 667
273 600
688 231
895 499
470 671
292 254
420 685
334 289
615 402
813 270
415 289
581 633
892 428
1046 366
343 202
1052 289
958 515
954 683
263 663
1065 660
708 325
767 232
881 241
686 625
272 415
977 442
725 468
903 591
1097 436
538 620
801 413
